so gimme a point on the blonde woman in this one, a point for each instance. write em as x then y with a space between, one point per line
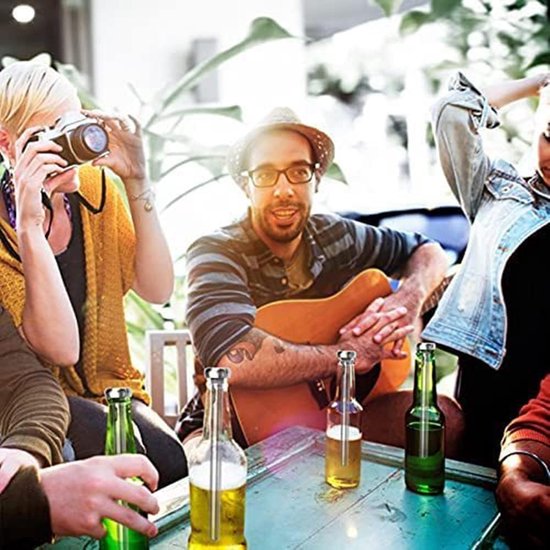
67 260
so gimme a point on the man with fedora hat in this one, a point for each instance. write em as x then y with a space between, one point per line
279 250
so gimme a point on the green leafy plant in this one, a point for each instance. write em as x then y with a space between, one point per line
515 34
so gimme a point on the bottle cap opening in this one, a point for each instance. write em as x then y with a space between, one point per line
346 355
216 373
118 394
426 346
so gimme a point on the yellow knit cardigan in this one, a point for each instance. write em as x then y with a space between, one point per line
109 250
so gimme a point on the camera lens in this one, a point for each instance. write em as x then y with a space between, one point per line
94 137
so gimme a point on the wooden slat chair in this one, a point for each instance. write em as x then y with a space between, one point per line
155 372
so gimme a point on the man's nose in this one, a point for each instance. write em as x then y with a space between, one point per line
283 188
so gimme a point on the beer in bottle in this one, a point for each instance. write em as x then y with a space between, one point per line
425 429
120 439
217 474
343 441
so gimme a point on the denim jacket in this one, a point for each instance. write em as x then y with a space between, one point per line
504 210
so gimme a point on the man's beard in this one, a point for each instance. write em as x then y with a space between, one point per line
282 234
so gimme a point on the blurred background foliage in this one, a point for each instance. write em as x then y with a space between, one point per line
508 38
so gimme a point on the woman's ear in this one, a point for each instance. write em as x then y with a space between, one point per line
6 146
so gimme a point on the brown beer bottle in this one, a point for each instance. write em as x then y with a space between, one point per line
217 474
343 436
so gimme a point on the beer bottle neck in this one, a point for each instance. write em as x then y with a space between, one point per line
120 431
424 379
217 418
345 390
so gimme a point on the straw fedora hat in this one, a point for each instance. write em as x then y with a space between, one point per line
281 118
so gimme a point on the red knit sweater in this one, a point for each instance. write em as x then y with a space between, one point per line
533 422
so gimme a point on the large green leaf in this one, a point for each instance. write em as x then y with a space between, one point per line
446 363
388 6
443 8
152 317
155 155
262 30
413 20
214 163
334 172
540 59
192 189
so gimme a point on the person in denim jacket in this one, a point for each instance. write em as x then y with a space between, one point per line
495 312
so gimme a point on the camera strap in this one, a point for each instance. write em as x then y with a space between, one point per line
89 206
47 204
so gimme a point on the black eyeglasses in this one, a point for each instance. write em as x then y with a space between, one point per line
268 177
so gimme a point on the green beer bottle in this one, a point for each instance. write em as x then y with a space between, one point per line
120 439
425 429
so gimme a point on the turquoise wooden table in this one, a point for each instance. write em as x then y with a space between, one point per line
288 504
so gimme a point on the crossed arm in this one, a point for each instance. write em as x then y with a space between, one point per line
260 359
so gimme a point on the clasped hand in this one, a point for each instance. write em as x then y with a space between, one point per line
383 322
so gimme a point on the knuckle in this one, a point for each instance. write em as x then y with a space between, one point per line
95 484
142 495
99 532
89 502
90 522
127 515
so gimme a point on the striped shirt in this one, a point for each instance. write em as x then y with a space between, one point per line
231 273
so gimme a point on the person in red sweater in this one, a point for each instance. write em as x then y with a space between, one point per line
523 490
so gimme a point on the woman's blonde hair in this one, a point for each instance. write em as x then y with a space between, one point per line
28 88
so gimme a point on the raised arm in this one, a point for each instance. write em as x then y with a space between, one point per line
48 322
154 271
456 120
503 93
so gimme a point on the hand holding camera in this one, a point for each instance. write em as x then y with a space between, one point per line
38 165
73 140
81 138
126 156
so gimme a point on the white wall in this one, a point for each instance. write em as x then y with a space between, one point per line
146 42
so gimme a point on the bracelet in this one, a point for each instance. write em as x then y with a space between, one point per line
535 457
148 195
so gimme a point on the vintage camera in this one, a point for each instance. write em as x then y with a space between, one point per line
81 137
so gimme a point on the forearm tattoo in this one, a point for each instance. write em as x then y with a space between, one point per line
247 348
